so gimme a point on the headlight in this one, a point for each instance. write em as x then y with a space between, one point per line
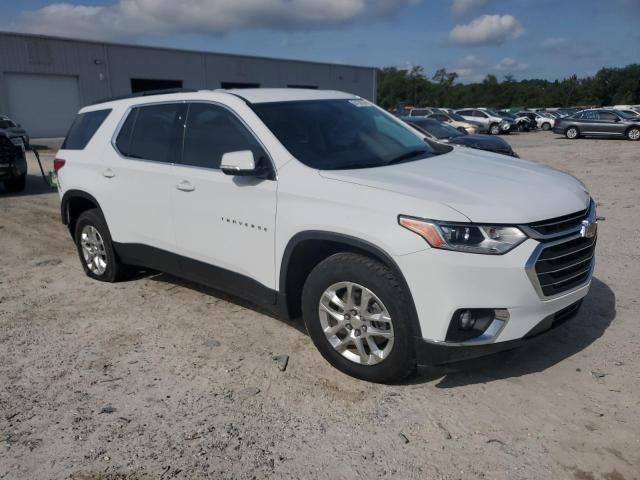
460 237
17 141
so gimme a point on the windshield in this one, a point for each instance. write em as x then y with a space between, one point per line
341 134
7 124
457 117
436 128
493 113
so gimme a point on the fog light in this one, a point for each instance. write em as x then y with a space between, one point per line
476 324
466 320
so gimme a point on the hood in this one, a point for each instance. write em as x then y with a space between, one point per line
484 142
485 187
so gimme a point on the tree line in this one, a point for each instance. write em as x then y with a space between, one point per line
609 86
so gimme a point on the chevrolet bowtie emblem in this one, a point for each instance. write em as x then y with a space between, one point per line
588 229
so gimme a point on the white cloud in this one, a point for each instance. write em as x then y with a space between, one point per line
132 17
468 69
487 30
510 65
460 7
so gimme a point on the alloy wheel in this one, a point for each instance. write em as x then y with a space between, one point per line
634 134
93 250
572 133
356 323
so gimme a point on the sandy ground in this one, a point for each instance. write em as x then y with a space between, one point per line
158 379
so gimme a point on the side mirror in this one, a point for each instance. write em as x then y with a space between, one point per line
242 163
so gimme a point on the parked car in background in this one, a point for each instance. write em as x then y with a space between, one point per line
14 129
491 123
456 121
13 162
600 123
542 121
421 112
523 124
319 204
445 133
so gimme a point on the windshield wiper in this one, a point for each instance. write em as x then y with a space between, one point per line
406 156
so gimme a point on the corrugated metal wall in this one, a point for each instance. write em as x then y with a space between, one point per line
105 70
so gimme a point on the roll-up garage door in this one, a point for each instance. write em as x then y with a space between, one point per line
45 105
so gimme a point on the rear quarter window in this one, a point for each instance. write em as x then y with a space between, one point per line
83 129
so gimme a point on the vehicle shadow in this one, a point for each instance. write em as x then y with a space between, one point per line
35 186
296 323
597 312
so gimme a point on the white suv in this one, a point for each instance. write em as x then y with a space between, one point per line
396 250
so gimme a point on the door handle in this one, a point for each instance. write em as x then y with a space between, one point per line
185 186
108 173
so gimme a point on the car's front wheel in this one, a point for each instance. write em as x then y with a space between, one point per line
494 129
571 133
546 126
633 134
357 314
95 248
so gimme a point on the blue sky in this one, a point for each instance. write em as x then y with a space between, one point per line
527 38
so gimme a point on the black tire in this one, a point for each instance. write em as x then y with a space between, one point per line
494 129
546 126
633 134
16 184
572 133
115 270
379 279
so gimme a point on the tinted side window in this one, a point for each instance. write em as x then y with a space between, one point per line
590 115
83 129
479 113
465 113
157 133
607 116
213 131
123 142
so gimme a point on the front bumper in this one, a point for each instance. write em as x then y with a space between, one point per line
434 353
442 282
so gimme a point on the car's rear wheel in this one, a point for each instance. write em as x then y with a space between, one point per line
494 129
633 134
16 184
357 315
95 248
546 126
572 133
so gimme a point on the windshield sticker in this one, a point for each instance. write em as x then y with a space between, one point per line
360 103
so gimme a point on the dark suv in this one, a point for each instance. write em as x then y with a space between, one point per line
14 129
13 162
599 123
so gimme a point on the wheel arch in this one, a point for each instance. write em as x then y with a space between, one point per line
73 203
307 249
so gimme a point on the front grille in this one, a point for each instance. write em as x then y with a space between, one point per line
8 151
566 265
559 225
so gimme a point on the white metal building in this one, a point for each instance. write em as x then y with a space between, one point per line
45 80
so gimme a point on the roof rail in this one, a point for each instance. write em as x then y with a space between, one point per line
146 93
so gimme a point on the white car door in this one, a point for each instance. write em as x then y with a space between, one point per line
225 225
139 177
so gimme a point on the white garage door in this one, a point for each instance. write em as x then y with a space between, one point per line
45 105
